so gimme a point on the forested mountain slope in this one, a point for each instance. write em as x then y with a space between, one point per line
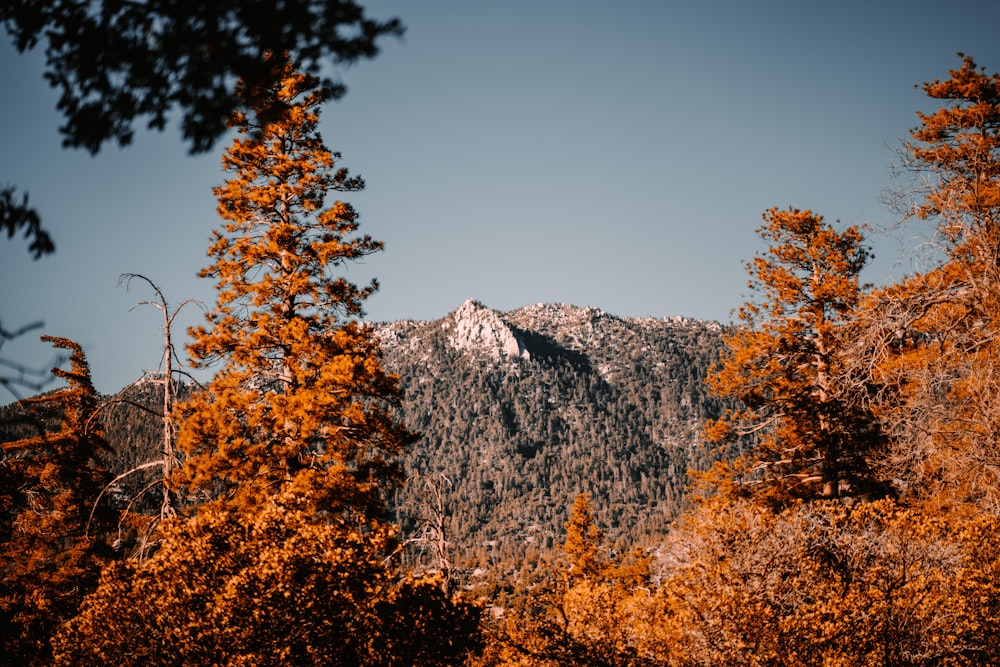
522 411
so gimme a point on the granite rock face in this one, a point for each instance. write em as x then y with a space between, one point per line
474 327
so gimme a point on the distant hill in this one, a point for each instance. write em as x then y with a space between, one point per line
522 411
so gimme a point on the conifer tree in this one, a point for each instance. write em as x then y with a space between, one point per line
285 556
587 611
956 149
583 541
301 402
786 362
53 541
932 337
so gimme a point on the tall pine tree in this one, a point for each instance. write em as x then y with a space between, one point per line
786 362
301 403
290 452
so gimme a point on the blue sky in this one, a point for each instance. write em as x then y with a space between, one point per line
616 155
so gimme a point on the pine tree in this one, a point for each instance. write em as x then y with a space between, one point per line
583 541
787 362
285 555
585 609
302 402
957 149
54 537
932 337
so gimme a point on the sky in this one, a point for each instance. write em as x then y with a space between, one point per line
616 155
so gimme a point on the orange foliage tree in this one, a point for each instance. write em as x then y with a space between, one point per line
272 587
289 455
587 609
827 583
932 338
302 402
786 365
54 540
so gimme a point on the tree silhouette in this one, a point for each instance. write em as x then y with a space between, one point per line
116 63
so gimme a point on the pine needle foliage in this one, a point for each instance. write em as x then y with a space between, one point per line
301 403
53 540
787 363
284 554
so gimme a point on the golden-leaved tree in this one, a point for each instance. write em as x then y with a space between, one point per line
786 363
827 583
932 338
53 539
291 451
302 403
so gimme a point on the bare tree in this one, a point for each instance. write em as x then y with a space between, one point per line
165 376
430 537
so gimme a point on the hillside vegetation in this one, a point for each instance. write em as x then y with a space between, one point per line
520 411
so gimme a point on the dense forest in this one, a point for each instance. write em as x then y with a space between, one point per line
580 402
512 489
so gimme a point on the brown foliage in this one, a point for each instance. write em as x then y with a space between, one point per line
269 587
930 341
586 609
302 402
283 556
829 584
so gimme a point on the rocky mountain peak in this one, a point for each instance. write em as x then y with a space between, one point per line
475 327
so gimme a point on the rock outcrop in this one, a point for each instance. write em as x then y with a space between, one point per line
476 328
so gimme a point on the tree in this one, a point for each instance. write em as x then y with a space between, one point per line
956 151
583 540
302 401
586 610
17 216
826 583
143 526
117 62
786 362
284 553
932 338
53 541
430 539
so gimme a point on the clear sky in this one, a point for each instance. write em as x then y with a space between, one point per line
608 154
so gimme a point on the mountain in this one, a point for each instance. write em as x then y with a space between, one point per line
521 411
